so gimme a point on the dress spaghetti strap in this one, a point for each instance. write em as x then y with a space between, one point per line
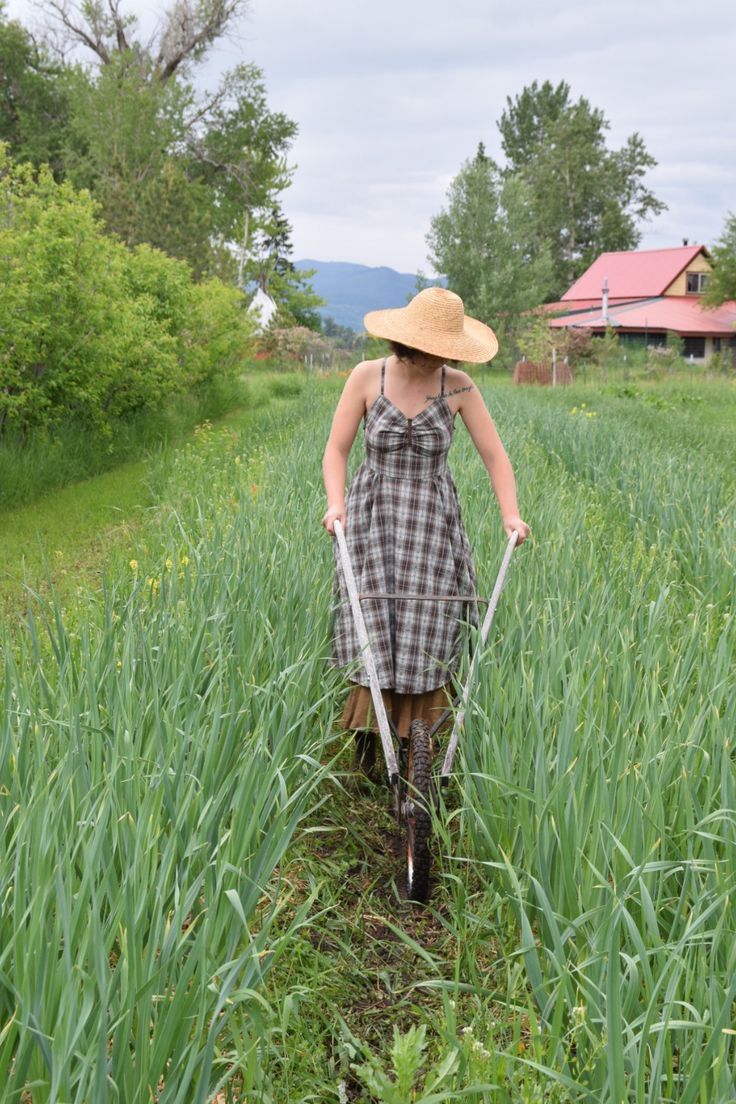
383 374
442 383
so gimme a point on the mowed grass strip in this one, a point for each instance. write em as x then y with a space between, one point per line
64 540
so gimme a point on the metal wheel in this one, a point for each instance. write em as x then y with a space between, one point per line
418 802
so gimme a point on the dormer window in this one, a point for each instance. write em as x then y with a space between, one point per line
696 282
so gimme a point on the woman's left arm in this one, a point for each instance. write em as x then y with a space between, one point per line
484 435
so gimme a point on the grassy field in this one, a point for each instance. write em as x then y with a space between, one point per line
201 901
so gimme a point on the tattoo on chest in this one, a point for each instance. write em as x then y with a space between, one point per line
455 391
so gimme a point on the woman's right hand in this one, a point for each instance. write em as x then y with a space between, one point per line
333 514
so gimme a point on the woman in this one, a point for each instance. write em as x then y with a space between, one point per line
402 516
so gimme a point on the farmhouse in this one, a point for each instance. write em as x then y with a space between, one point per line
644 295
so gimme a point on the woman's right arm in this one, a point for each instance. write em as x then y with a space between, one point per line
350 409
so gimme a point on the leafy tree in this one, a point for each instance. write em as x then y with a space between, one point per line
239 149
525 124
585 198
196 174
121 145
484 243
193 179
33 97
721 286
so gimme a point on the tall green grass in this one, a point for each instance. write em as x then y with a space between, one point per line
157 759
598 772
154 764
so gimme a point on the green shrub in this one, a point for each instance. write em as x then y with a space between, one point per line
219 335
91 331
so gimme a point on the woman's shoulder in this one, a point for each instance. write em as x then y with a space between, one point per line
457 381
365 373
368 367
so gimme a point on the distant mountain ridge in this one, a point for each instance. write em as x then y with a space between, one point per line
350 290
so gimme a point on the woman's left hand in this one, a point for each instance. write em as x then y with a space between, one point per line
521 527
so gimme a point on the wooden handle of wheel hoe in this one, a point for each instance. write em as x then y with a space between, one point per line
369 662
460 715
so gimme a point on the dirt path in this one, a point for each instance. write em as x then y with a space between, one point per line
371 962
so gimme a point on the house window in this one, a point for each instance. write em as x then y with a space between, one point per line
696 282
640 340
694 347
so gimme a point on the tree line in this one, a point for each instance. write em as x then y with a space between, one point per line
198 174
135 208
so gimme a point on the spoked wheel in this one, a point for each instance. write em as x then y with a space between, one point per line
418 802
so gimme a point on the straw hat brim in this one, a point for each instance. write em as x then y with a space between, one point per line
476 344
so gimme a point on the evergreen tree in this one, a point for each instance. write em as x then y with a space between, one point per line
271 267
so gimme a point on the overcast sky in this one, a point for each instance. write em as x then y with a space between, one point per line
392 96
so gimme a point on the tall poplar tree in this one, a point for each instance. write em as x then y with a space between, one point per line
484 242
585 198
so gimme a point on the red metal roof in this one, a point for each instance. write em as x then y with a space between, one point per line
633 275
682 314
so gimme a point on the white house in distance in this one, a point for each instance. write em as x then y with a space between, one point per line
262 307
643 295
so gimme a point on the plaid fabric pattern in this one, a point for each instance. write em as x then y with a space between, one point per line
405 534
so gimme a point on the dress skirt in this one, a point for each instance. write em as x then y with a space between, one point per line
402 709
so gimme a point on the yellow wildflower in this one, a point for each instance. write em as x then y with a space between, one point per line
133 565
169 564
184 561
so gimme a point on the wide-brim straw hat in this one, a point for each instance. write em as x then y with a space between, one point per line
435 322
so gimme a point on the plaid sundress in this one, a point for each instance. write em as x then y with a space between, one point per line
405 534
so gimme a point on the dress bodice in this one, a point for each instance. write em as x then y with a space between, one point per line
408 448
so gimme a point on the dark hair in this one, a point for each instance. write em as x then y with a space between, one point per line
404 352
407 352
